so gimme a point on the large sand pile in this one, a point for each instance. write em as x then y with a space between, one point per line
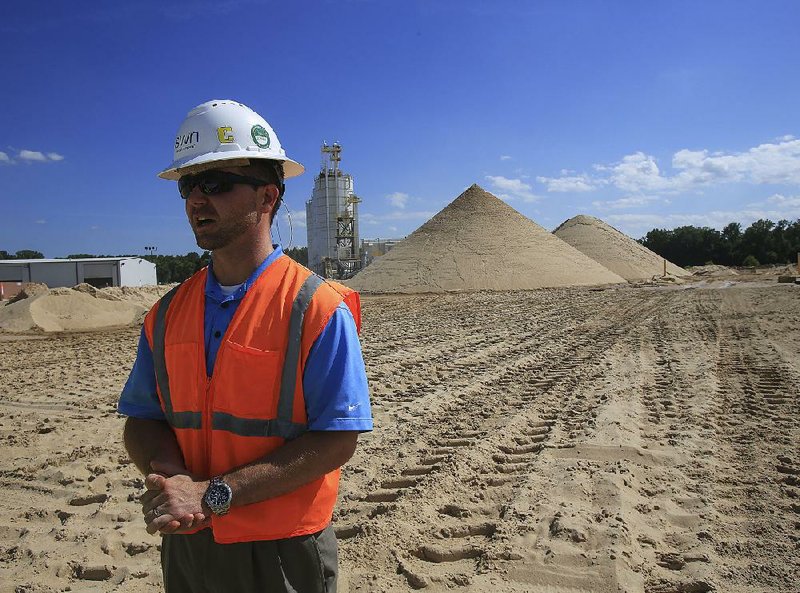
80 308
615 250
478 242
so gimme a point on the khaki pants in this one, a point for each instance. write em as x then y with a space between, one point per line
196 564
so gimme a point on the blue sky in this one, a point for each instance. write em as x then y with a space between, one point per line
645 114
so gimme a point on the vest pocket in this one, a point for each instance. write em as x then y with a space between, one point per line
247 382
183 368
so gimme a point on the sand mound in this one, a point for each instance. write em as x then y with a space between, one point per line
478 242
98 293
790 270
615 250
145 296
81 308
29 290
713 270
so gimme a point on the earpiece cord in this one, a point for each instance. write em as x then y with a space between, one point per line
291 227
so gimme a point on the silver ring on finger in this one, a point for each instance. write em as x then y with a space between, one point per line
156 512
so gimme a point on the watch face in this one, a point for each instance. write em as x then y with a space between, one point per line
218 497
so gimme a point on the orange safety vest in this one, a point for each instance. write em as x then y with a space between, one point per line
254 401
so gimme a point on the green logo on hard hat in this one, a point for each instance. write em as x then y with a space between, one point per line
260 136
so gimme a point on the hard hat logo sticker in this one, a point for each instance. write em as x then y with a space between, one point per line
186 141
225 135
260 136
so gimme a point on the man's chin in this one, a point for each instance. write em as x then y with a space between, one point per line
207 243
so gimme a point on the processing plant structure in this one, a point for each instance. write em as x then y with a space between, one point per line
332 219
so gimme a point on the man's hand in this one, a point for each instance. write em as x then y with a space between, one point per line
173 502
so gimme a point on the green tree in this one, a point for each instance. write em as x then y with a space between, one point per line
731 238
757 241
684 246
29 254
204 260
792 238
765 241
298 254
750 262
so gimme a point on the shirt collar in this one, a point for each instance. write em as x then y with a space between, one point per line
214 291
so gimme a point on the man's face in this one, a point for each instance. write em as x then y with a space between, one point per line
227 218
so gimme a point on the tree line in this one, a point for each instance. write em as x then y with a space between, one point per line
169 268
762 243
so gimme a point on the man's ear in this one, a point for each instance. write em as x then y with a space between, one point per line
269 195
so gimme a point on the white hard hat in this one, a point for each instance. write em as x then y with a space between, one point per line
222 131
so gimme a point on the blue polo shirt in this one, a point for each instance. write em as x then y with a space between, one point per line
334 380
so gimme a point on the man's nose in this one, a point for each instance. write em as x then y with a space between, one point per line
196 197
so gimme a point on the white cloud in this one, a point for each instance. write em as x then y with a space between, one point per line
512 188
35 156
638 172
577 183
505 157
4 158
630 202
297 218
784 201
766 163
398 199
639 223
776 207
40 221
32 155
771 163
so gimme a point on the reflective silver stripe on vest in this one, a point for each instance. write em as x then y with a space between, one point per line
282 426
254 427
292 360
179 419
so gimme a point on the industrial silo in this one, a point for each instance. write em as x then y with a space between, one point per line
332 219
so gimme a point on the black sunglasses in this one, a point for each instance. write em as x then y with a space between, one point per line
212 183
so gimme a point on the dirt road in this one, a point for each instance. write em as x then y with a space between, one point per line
632 439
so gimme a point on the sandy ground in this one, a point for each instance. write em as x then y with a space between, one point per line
559 440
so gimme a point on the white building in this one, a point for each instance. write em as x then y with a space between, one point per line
98 271
332 220
373 248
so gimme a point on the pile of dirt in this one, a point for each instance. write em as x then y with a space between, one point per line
478 242
782 270
98 293
713 270
80 308
613 249
29 290
661 280
145 296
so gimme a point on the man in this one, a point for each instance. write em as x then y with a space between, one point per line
248 391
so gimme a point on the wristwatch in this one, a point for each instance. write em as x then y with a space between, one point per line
218 496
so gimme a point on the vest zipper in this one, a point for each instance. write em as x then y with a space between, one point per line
208 418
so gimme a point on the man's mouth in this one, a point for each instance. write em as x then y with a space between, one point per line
202 221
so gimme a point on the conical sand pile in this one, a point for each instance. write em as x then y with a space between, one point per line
478 242
615 250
